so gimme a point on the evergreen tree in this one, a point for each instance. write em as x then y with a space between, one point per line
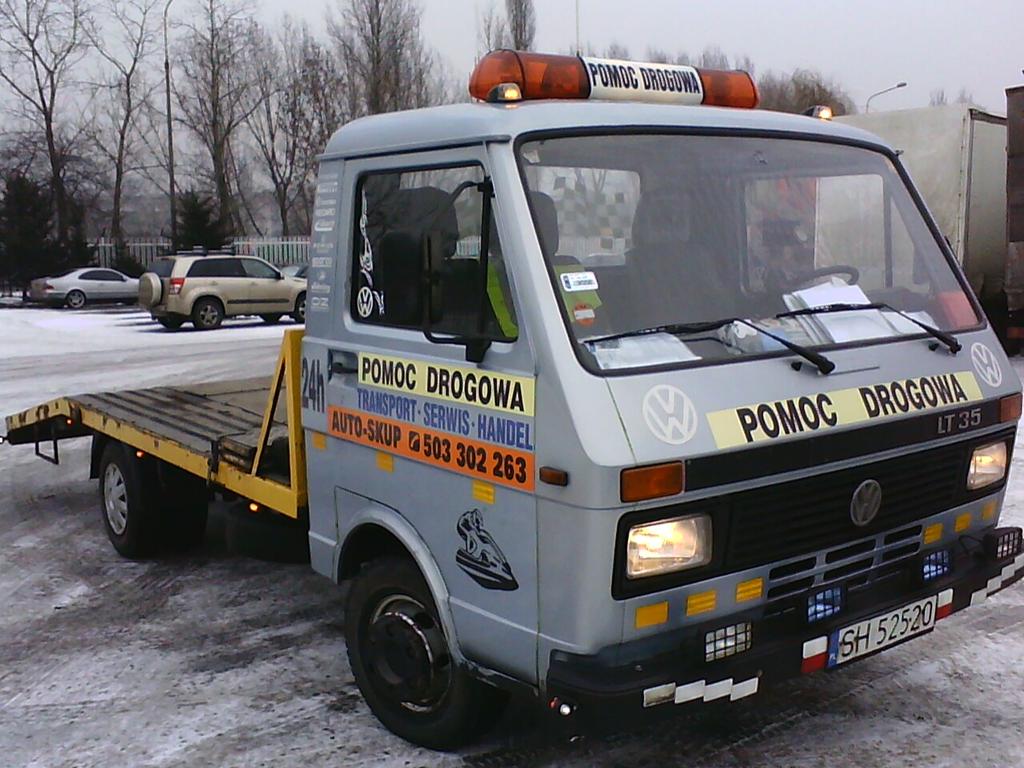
26 226
199 223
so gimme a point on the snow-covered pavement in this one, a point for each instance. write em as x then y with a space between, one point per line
210 659
45 353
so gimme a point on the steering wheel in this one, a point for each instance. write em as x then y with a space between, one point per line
839 269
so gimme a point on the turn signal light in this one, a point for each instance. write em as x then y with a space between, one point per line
653 482
1009 407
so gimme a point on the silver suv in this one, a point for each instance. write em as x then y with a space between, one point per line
206 289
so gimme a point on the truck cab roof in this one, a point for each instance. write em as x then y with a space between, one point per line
461 124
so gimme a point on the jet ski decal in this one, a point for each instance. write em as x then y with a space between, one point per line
480 556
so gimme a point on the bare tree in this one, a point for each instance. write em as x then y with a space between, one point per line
389 66
326 103
799 90
522 23
493 32
215 91
124 47
41 44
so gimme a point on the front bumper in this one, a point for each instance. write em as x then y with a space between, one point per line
624 684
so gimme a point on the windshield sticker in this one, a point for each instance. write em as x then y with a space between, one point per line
480 557
578 281
636 351
986 364
583 314
826 410
459 384
670 414
364 302
367 297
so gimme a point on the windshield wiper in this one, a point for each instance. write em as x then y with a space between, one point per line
821 362
948 339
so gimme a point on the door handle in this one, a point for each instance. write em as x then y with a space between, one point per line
342 363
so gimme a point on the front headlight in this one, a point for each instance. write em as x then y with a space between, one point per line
666 546
988 465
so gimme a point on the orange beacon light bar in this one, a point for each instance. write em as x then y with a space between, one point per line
508 76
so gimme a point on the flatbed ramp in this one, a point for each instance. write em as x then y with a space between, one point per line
244 436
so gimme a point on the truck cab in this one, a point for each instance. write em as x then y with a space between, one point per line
632 406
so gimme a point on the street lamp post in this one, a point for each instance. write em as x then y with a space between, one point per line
900 84
170 136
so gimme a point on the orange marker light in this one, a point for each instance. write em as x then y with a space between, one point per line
538 75
1009 407
652 482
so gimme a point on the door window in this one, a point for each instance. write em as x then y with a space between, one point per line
256 268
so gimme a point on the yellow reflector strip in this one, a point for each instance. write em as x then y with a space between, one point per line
749 590
702 602
650 615
483 492
963 522
320 441
933 533
385 461
988 512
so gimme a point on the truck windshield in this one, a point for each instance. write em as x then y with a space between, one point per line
646 231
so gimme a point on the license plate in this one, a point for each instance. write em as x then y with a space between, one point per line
873 634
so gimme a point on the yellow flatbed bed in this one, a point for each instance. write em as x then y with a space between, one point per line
232 434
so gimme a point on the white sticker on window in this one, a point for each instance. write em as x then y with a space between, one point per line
578 281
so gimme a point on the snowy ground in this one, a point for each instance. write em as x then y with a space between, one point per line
210 659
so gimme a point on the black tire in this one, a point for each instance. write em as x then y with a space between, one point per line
207 314
171 323
299 313
130 517
75 299
184 505
271 319
402 664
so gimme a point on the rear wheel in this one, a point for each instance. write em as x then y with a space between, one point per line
75 299
207 314
170 323
402 663
129 516
299 315
270 319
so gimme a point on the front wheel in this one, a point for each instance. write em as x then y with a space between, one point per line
75 299
299 314
401 660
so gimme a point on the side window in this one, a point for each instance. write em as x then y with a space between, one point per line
395 213
208 267
254 268
94 274
109 276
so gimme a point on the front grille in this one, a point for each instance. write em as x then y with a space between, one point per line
781 521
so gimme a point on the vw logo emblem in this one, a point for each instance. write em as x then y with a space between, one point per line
986 364
865 503
670 414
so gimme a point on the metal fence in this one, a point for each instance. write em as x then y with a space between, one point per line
277 250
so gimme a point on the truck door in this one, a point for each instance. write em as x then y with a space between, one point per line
415 427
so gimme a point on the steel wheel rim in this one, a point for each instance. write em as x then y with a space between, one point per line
76 300
410 612
115 499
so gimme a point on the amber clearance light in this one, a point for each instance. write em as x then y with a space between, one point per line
651 482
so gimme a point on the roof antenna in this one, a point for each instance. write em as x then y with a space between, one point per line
579 51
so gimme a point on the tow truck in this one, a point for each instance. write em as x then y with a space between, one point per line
614 393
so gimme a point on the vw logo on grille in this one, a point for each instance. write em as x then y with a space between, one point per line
865 503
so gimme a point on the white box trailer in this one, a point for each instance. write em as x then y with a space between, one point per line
956 155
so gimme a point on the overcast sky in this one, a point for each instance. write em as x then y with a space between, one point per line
865 45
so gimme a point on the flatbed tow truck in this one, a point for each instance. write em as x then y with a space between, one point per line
624 407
